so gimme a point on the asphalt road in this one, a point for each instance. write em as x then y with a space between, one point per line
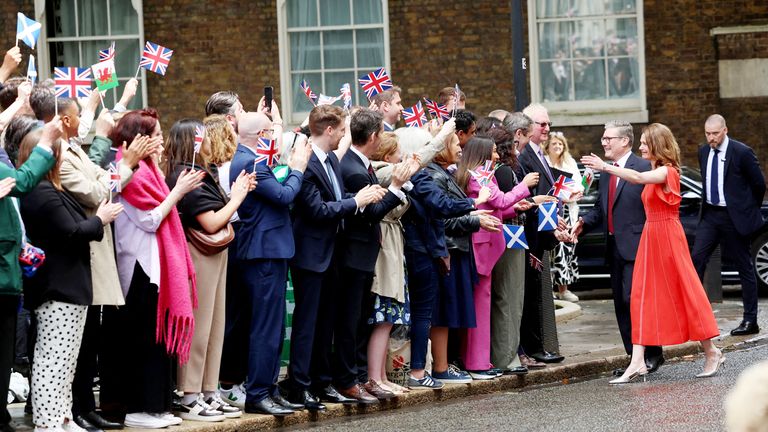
671 400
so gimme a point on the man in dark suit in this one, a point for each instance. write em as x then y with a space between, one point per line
620 212
265 243
730 212
359 247
390 106
318 213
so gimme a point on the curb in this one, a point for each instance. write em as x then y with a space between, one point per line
566 311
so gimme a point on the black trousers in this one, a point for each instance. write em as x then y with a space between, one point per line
83 400
350 334
9 306
621 286
531 327
716 228
234 354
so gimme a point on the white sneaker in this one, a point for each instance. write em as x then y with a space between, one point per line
170 418
234 396
49 429
567 295
71 426
18 387
219 404
198 410
145 420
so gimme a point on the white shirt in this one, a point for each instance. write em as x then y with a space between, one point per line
720 172
225 186
621 162
136 241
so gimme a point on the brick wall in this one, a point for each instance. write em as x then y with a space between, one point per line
8 11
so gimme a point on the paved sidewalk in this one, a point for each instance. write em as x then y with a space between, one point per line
590 342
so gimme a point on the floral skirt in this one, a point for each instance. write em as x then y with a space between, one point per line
389 310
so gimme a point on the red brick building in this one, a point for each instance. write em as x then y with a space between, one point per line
589 61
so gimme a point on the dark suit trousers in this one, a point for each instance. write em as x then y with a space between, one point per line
234 354
265 280
83 400
621 286
352 300
532 322
9 306
716 228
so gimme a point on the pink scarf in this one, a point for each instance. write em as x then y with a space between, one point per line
178 287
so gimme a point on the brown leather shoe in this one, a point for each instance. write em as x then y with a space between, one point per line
358 393
531 363
375 389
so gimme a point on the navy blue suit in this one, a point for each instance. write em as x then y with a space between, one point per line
628 222
318 217
265 243
732 226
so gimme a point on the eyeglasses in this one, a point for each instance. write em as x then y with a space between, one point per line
543 124
606 140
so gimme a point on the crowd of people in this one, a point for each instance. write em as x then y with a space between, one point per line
167 256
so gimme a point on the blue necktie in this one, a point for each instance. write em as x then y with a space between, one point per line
714 179
332 176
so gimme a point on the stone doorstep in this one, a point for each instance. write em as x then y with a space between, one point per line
550 375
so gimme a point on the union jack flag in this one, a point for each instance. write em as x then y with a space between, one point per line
199 135
155 58
563 187
114 178
375 82
72 82
107 54
415 116
326 100
308 91
346 95
266 152
436 110
484 174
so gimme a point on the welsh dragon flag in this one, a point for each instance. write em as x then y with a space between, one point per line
104 75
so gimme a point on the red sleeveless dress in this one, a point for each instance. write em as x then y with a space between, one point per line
668 305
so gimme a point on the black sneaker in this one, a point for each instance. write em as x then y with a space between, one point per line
482 374
426 382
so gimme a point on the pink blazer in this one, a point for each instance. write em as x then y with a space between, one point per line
489 247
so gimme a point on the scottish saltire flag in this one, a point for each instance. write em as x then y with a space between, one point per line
563 188
587 179
27 30
375 82
436 110
107 54
31 70
308 91
114 178
547 216
266 152
415 116
483 174
346 96
72 82
326 100
104 74
514 237
199 136
155 58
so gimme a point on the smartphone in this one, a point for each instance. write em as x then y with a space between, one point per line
268 92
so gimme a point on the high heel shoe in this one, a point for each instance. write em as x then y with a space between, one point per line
625 379
720 363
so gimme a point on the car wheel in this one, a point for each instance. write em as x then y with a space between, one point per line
760 259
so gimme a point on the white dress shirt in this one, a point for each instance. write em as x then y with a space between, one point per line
136 241
720 172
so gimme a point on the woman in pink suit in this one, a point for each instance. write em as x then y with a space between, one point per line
488 247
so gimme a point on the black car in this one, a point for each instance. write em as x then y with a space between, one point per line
591 248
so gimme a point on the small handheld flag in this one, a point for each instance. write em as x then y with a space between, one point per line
281 172
346 96
563 188
514 237
535 263
107 54
436 110
155 58
266 152
375 82
31 70
456 98
199 136
115 185
27 30
586 179
547 216
72 82
415 116
308 91
483 174
326 100
104 74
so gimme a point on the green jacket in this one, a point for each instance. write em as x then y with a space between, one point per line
27 177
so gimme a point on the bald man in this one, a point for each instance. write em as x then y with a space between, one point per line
730 212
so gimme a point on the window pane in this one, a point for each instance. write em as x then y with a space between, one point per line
334 81
621 36
588 38
367 11
587 7
127 54
61 18
553 8
138 100
65 54
92 17
300 101
556 81
370 48
337 49
622 78
302 13
589 79
91 51
553 40
334 12
305 50
123 17
621 6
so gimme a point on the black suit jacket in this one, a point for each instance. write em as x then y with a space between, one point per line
57 224
743 185
317 216
362 234
628 210
538 241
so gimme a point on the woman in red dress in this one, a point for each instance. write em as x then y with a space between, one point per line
668 303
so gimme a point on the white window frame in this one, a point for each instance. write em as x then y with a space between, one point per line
44 68
588 112
287 86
